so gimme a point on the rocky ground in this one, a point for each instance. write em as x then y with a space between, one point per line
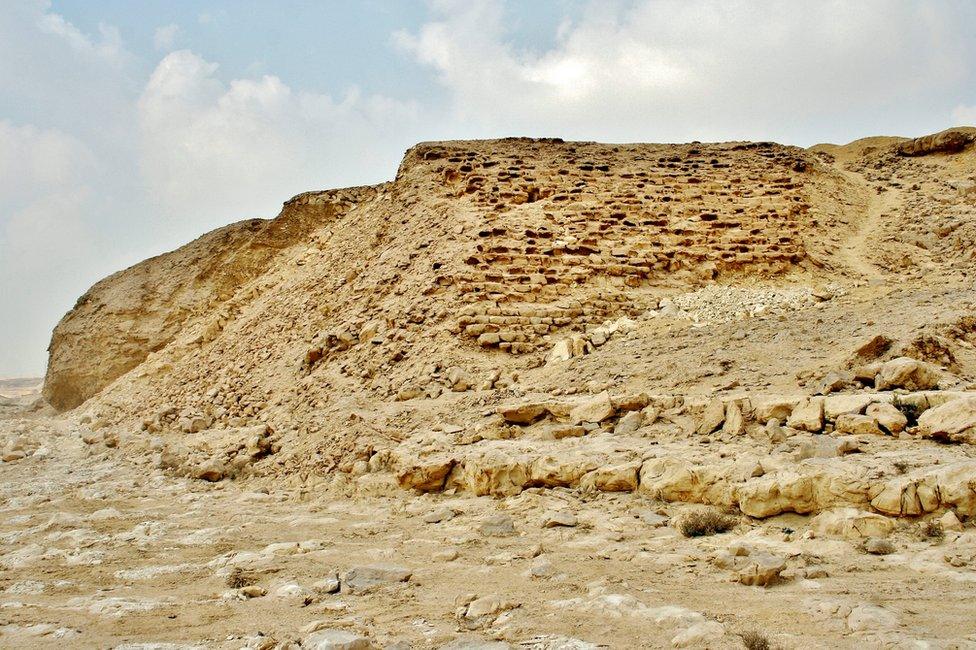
529 394
98 551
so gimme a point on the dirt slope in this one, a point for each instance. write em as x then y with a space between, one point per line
571 232
721 395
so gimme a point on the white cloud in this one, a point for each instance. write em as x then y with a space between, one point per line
45 193
45 186
164 38
964 115
693 69
237 149
108 46
37 161
103 163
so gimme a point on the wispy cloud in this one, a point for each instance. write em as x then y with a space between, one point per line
164 38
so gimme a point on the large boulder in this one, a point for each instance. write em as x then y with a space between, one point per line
907 373
851 524
593 409
954 421
948 141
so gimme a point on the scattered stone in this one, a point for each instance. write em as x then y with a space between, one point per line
333 639
878 546
499 525
559 519
364 579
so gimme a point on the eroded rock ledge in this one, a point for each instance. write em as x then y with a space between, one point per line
772 453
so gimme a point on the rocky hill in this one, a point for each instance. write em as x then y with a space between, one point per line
722 395
483 260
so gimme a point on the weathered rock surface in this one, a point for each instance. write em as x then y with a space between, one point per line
124 318
954 421
364 579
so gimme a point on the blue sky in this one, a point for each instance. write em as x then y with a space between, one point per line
128 128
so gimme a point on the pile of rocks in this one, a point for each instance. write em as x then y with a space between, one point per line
215 454
577 345
723 304
438 380
17 443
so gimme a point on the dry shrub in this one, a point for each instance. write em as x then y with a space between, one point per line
932 530
699 523
755 641
237 578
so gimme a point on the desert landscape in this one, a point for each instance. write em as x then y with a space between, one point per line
527 394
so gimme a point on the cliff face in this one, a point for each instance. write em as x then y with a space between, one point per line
128 315
476 248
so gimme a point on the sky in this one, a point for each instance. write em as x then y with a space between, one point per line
129 128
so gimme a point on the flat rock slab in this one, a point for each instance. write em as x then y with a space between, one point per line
363 579
337 640
498 526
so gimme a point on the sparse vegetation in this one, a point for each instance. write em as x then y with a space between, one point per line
932 530
700 523
239 578
753 640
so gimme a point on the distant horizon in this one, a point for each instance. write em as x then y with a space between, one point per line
127 130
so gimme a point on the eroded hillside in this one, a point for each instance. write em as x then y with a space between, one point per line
496 244
711 387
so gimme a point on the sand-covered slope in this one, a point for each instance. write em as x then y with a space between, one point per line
719 395
570 233
481 258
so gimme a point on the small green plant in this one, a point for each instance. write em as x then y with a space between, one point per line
700 523
753 640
